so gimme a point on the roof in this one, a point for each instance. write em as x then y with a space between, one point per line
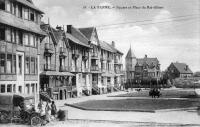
30 4
148 61
20 23
181 67
130 54
87 32
104 45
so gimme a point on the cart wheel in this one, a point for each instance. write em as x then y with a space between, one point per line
36 121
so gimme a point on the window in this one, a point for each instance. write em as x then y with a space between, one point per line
14 65
2 33
27 89
8 34
9 63
32 40
13 8
27 66
25 39
8 6
32 16
20 38
13 36
108 79
32 65
2 4
3 88
14 88
19 64
19 11
2 62
9 88
36 66
33 88
25 13
20 89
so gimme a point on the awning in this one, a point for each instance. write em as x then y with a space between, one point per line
55 73
108 75
67 74
51 73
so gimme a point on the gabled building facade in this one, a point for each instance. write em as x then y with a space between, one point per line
179 70
141 72
94 61
55 63
80 63
147 72
20 36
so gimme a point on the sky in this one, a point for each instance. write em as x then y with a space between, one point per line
170 31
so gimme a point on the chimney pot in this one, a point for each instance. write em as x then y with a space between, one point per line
113 44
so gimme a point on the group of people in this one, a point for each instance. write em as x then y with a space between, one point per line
48 111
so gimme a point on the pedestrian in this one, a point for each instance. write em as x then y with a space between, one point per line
48 112
41 108
53 109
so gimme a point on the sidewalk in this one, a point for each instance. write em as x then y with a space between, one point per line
172 117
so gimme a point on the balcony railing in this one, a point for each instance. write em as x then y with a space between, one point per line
75 54
103 57
85 57
49 67
63 69
94 55
63 51
94 68
48 48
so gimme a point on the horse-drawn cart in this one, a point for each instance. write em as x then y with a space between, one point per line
18 108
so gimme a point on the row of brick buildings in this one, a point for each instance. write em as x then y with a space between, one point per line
63 61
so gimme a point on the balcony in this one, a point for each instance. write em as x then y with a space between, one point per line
49 67
63 52
75 69
85 57
75 54
94 55
117 71
85 70
63 69
94 68
103 57
109 59
48 48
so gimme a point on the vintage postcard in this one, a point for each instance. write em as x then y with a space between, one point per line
99 63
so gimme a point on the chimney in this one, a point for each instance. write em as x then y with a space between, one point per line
58 27
145 56
186 68
113 44
69 27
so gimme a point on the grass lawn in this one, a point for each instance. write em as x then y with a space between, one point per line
165 94
137 104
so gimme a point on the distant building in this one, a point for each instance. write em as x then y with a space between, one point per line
147 70
179 70
130 62
141 71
